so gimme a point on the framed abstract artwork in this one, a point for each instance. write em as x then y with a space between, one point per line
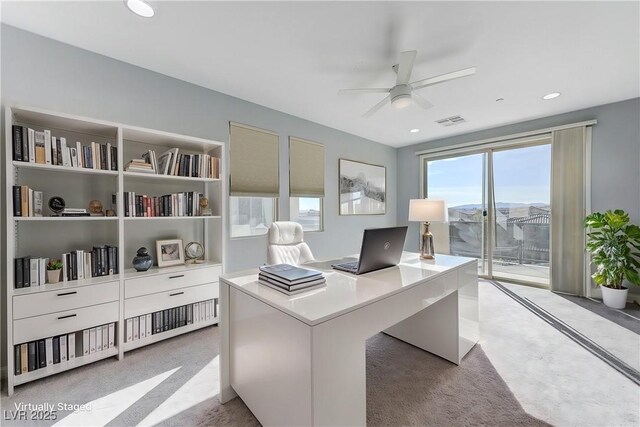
362 188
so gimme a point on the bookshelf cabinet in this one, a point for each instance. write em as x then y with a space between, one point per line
66 310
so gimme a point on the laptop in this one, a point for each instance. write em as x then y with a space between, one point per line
381 248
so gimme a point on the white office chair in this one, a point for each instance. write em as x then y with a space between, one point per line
286 244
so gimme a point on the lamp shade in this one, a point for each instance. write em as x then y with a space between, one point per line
427 210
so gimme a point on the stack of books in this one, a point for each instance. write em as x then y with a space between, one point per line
290 279
139 165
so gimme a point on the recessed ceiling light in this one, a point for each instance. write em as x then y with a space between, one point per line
140 8
551 95
414 130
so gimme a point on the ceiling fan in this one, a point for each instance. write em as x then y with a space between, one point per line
403 92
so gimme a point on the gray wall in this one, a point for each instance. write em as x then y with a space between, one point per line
48 74
615 176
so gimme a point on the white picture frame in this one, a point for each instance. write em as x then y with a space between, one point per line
170 252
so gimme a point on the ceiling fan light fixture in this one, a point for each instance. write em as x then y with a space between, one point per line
401 101
140 8
551 95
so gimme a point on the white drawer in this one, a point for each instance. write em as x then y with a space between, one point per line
48 325
167 281
173 298
64 299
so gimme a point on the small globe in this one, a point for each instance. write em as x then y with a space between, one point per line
95 206
194 250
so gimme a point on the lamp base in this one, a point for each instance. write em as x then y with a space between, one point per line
427 250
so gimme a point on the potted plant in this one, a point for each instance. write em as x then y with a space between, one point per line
54 267
615 247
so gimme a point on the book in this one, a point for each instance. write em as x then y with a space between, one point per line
92 340
34 273
37 203
86 349
30 198
98 338
17 267
79 155
289 274
112 334
143 327
294 292
148 325
136 328
24 357
47 147
26 272
54 151
41 356
105 337
49 350
17 201
59 151
32 145
17 142
24 200
63 348
317 281
42 271
79 343
17 364
32 355
56 350
114 158
71 346
129 330
66 161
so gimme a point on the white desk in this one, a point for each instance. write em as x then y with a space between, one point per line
300 360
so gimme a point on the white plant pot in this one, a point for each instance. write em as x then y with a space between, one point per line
614 298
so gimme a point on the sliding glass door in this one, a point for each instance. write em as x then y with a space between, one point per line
499 209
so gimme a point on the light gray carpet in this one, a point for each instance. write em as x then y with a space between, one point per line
405 386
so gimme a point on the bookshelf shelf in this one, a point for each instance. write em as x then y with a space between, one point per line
63 169
65 366
65 218
152 177
43 237
145 218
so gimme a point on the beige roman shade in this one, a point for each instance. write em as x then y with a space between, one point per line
568 210
253 157
306 168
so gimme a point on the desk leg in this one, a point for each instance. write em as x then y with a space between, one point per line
338 376
434 329
226 391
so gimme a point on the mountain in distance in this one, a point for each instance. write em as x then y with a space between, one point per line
501 205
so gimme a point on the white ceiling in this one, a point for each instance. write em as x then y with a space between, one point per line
295 56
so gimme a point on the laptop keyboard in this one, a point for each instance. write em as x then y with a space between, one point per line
349 265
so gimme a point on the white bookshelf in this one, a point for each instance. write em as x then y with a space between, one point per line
48 236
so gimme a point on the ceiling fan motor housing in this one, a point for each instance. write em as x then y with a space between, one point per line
400 95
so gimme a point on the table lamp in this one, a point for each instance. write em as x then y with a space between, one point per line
427 210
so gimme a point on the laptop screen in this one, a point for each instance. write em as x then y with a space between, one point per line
381 248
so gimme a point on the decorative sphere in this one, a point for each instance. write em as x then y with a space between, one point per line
95 206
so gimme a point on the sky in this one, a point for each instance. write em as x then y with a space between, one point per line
521 175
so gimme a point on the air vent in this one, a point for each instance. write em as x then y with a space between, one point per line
450 121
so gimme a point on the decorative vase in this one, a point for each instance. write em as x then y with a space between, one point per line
142 261
53 276
614 298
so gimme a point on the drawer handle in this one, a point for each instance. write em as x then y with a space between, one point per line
176 277
67 293
67 316
177 293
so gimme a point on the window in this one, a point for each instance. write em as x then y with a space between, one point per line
251 216
307 211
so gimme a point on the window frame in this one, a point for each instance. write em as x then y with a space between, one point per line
276 212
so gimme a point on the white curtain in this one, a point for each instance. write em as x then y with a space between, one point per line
568 209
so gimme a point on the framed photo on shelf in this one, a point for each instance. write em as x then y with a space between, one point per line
362 188
170 252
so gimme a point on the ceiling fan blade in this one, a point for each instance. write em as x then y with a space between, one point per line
443 78
365 90
376 107
405 66
421 101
